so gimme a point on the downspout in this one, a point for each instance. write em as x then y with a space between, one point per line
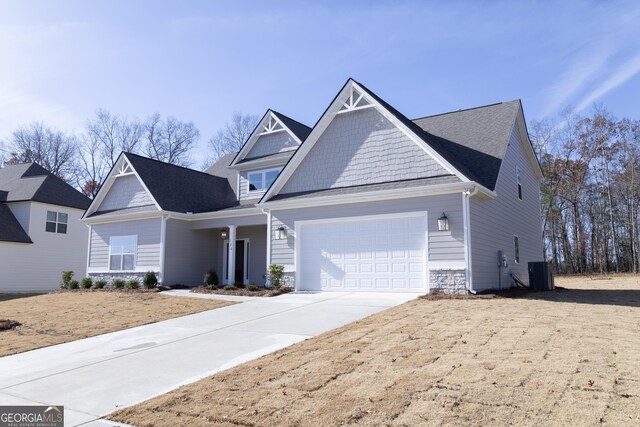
466 196
163 244
268 212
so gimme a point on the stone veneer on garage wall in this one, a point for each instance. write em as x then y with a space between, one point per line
448 281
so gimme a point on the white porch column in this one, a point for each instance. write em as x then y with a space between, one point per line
231 258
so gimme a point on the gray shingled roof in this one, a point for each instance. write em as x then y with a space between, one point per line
473 141
300 130
221 168
32 182
10 228
180 189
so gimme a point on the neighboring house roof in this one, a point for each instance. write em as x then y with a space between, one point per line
10 228
32 182
180 189
473 141
300 130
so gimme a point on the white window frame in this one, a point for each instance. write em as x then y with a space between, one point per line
263 172
57 222
516 249
519 188
135 253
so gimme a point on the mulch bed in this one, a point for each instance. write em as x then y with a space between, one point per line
261 292
6 324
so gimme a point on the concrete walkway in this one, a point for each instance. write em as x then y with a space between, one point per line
95 376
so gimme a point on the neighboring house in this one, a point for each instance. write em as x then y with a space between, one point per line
40 231
357 203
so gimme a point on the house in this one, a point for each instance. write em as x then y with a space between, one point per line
40 230
366 200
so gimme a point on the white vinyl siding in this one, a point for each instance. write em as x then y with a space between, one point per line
37 266
494 222
147 232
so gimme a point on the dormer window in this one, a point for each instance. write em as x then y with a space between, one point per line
261 180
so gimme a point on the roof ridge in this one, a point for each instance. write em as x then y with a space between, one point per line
168 164
464 109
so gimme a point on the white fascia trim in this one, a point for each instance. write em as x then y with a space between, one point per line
324 122
123 217
216 215
257 133
139 269
396 193
263 163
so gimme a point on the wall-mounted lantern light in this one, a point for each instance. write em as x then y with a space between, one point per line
281 233
224 234
443 223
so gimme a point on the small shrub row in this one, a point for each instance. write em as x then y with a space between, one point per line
150 281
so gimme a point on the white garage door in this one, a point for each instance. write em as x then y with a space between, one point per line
364 254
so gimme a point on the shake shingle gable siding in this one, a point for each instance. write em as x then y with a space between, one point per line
359 148
271 144
126 192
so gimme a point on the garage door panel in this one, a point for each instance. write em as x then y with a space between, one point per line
368 254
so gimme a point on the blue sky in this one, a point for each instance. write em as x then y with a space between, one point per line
204 60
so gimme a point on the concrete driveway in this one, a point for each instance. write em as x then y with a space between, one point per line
94 376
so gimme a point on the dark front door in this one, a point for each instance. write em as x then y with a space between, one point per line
240 261
240 264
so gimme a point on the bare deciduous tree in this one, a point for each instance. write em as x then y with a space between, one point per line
113 134
231 138
53 149
170 140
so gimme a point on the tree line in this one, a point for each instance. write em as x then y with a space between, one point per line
83 159
589 194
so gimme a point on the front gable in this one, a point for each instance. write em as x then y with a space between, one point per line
360 140
271 136
360 148
122 189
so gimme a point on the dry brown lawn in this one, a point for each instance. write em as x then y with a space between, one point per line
68 316
569 357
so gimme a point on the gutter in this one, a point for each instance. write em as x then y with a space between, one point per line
466 196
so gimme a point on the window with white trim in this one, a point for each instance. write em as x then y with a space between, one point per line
57 222
261 180
516 249
519 181
122 253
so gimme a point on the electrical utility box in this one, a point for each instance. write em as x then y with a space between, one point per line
540 276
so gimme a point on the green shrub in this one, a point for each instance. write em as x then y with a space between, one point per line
133 284
253 288
230 288
99 284
73 284
150 280
118 283
67 276
86 283
275 275
211 278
